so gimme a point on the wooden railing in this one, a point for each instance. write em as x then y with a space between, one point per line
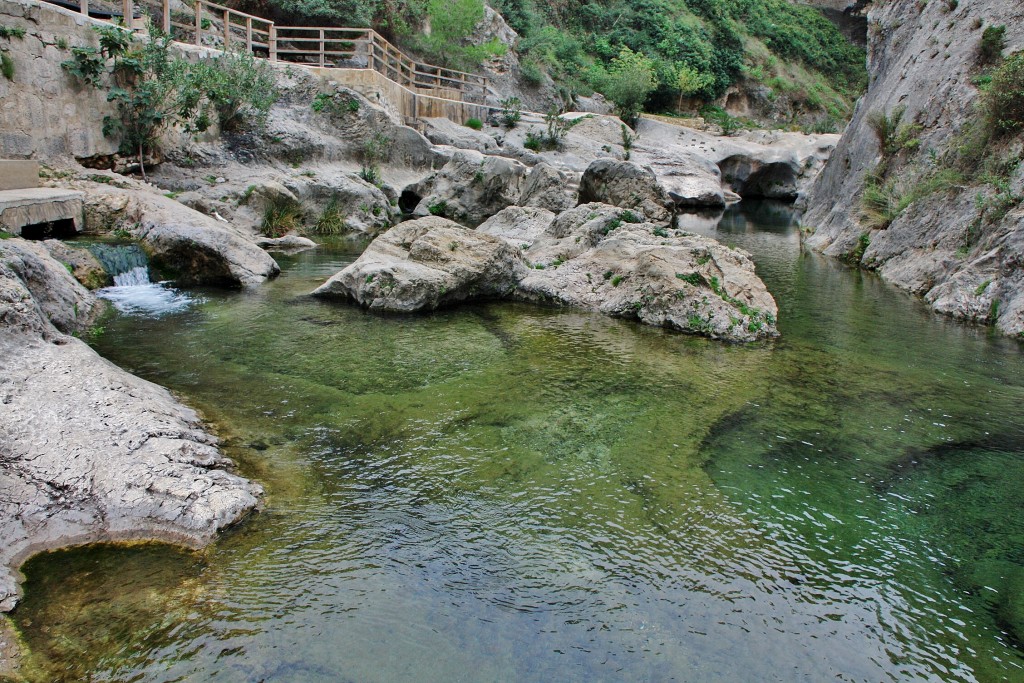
208 24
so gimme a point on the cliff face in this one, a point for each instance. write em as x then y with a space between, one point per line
926 58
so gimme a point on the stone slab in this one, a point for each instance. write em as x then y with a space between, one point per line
17 175
29 206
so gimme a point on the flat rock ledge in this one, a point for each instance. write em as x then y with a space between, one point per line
89 452
595 257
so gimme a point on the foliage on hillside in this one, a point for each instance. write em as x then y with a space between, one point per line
702 45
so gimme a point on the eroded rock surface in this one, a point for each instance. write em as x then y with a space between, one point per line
190 247
589 257
472 187
426 264
88 451
626 185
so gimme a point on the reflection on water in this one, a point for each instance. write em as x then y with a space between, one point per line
505 492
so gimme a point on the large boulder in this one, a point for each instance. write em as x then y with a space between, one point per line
183 244
471 188
90 452
588 258
627 185
548 188
425 264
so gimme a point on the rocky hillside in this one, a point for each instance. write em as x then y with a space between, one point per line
926 185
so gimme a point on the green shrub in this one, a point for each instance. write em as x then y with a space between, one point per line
7 66
281 216
330 222
510 112
534 141
12 32
1004 98
475 124
532 73
993 40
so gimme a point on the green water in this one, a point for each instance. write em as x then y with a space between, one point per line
505 492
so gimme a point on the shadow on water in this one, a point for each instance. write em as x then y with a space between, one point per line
538 494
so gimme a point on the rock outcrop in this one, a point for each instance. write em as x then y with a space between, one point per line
426 264
626 185
184 245
471 187
924 59
589 257
548 188
106 456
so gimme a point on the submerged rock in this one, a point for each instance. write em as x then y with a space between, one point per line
426 264
90 452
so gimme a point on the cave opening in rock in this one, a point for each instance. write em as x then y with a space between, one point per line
408 201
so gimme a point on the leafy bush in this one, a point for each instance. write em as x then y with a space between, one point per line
240 88
993 40
6 66
153 90
375 150
1004 98
510 112
630 80
475 124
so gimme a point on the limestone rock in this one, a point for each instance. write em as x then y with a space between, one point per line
627 185
924 58
548 188
520 226
289 243
472 187
51 294
82 264
101 456
447 132
192 248
425 264
645 271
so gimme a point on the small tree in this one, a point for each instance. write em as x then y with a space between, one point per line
630 80
1004 98
690 81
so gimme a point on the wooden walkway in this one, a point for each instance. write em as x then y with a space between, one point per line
215 26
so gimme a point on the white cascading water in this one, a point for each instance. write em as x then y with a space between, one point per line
133 293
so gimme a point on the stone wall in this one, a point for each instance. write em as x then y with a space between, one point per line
45 113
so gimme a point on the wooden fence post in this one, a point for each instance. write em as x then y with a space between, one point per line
199 23
127 10
248 34
272 40
227 31
83 6
167 16
321 48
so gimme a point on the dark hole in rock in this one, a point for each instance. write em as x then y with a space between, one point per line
60 229
408 201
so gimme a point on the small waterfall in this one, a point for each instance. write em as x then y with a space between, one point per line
138 275
133 292
126 263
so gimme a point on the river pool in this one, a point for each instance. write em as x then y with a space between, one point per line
504 492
